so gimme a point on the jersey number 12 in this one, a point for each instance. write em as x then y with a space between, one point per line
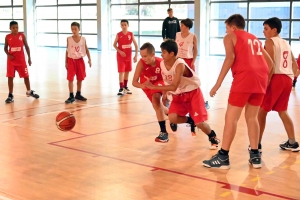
253 43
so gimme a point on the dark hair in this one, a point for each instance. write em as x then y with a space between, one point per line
274 22
170 46
13 23
237 20
187 22
169 9
149 47
75 24
124 20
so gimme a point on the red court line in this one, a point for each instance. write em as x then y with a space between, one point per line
77 132
228 186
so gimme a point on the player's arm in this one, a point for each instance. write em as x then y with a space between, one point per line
269 49
27 49
295 66
136 48
66 63
6 50
136 76
229 59
88 55
195 50
116 47
175 82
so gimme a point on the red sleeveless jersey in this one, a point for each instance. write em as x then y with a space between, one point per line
15 44
151 72
124 44
250 69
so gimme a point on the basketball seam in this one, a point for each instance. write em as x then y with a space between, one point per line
67 117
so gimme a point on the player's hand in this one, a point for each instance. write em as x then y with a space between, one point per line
213 91
193 66
122 53
29 62
11 56
148 84
90 63
135 59
66 66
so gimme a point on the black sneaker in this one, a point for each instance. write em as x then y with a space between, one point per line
192 125
121 91
127 91
70 100
9 99
255 160
217 161
206 105
163 137
173 127
32 94
259 148
80 97
294 83
292 147
214 141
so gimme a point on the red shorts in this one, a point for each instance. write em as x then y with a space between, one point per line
278 93
76 67
298 62
22 71
189 62
241 99
124 65
150 93
189 102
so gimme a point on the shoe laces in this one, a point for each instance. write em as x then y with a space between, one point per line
161 134
214 140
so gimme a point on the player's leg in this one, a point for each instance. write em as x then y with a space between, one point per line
121 82
78 95
80 74
23 73
128 68
10 98
262 118
71 71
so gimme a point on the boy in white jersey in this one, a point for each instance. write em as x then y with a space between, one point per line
280 86
76 50
184 84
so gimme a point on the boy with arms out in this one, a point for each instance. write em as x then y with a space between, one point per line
148 68
13 48
279 89
247 60
184 84
122 44
76 50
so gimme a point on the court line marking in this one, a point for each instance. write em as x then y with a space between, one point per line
225 194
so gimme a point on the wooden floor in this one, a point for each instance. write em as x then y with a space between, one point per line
111 153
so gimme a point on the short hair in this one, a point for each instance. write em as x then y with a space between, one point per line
169 9
13 23
187 22
124 20
75 24
150 48
274 22
170 46
237 20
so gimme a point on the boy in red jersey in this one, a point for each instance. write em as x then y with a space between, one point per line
148 68
122 44
13 47
280 87
76 50
184 84
250 65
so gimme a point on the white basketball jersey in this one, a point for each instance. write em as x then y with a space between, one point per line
186 84
283 57
185 45
76 50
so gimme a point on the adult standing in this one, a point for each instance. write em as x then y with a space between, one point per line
170 26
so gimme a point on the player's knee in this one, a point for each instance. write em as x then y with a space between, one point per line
173 117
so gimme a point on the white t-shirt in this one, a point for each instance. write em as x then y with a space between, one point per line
283 57
187 84
185 45
76 50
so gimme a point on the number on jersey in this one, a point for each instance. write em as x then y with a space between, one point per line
285 56
254 43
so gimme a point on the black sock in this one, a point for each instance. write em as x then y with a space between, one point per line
212 134
162 125
71 95
189 120
10 95
223 152
254 151
78 93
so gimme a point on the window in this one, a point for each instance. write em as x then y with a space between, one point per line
124 11
44 3
216 46
296 30
155 41
224 10
265 10
296 10
295 46
256 28
151 28
158 11
182 11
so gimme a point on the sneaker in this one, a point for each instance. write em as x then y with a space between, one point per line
32 94
121 91
80 97
214 142
173 127
255 160
127 91
294 83
259 148
70 100
206 105
217 161
9 99
292 147
163 137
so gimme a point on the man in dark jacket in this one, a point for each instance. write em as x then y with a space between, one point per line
170 26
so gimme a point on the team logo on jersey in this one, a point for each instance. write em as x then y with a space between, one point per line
157 70
181 44
20 38
129 37
77 49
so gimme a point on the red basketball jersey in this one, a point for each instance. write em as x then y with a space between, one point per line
15 44
124 44
151 72
250 69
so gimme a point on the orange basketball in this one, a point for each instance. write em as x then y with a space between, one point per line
65 121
